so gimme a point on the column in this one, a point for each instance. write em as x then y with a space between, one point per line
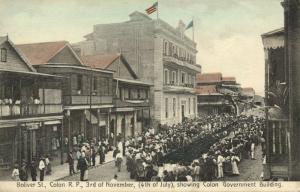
98 127
61 143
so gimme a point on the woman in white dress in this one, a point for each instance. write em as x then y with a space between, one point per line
234 161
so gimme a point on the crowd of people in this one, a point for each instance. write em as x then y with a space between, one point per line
200 149
195 150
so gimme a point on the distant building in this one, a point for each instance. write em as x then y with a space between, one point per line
216 94
31 110
160 55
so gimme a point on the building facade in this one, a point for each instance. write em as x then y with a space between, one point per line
87 92
217 94
160 55
282 62
130 114
31 110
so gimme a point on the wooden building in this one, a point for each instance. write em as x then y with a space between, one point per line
281 47
87 93
30 110
130 114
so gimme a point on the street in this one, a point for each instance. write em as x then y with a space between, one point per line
103 173
250 170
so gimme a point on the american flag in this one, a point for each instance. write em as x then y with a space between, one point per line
152 9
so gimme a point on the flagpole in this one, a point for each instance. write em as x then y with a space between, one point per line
157 11
193 27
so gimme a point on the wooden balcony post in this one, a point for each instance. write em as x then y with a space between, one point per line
61 146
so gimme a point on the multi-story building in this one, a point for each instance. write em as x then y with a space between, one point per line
87 93
217 94
160 55
282 96
31 110
130 114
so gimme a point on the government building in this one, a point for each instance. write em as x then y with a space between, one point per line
160 55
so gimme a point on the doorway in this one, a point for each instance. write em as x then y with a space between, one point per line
123 122
182 113
132 126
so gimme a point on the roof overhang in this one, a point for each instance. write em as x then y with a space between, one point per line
135 82
74 67
31 73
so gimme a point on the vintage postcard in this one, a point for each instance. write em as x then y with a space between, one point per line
152 95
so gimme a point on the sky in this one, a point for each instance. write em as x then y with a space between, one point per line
227 32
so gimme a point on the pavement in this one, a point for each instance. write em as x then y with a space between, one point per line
59 172
250 170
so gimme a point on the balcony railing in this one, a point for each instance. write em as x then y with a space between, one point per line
182 62
28 110
130 102
278 140
87 99
180 85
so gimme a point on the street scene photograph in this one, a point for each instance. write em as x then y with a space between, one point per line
150 90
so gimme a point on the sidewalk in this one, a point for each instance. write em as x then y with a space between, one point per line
59 171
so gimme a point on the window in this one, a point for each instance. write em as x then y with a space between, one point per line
174 77
166 76
138 94
170 49
189 105
3 54
182 77
165 47
79 84
193 81
95 84
126 93
174 107
167 107
121 93
129 94
146 94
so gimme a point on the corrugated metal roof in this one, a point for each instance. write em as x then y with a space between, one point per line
209 77
100 61
207 90
41 53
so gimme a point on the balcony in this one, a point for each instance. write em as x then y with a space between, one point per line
181 62
87 99
11 111
117 102
179 88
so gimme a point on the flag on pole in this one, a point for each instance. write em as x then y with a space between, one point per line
152 9
191 24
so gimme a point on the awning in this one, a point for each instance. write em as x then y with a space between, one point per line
52 122
90 117
124 109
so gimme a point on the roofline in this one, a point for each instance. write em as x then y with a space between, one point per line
273 32
128 66
33 73
23 57
76 67
67 44
133 81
